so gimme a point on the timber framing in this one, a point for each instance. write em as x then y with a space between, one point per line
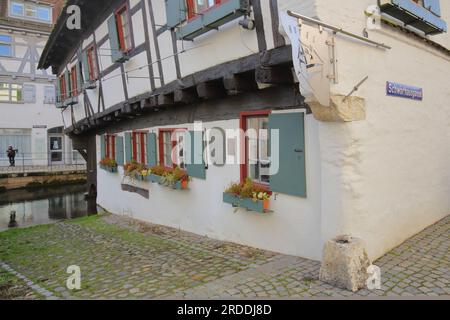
273 67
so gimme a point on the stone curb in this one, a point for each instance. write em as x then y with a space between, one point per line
35 287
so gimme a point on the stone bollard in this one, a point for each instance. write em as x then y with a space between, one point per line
345 263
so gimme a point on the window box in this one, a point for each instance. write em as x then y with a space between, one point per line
248 195
89 85
136 170
71 101
415 15
216 16
109 165
154 178
109 169
231 199
174 178
261 206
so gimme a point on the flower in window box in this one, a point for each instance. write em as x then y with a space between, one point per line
248 195
135 170
175 178
108 164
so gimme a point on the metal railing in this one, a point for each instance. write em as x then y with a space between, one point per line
42 162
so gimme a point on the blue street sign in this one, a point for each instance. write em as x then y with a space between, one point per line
404 91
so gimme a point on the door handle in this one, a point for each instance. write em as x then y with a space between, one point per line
298 150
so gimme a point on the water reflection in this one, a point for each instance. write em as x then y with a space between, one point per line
51 206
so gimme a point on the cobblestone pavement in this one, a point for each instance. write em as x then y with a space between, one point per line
122 258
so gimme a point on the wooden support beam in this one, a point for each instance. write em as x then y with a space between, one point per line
166 100
211 90
274 75
238 83
186 96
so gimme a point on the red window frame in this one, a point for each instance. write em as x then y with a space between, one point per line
74 81
191 8
243 142
161 144
93 75
143 146
118 15
62 84
110 143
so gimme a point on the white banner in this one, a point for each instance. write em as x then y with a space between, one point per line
311 58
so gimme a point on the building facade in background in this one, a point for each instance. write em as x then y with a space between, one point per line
29 120
371 162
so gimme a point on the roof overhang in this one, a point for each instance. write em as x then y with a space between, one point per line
64 41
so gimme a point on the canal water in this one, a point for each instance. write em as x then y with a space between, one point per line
42 206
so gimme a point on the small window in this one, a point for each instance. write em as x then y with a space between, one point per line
139 147
49 95
10 92
171 148
74 81
123 28
92 63
31 11
196 7
44 14
257 161
17 9
6 46
110 142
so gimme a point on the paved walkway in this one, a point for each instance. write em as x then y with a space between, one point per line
121 258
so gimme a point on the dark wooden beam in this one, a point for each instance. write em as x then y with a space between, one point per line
239 83
274 75
166 100
186 96
211 90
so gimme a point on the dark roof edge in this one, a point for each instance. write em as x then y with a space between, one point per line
60 23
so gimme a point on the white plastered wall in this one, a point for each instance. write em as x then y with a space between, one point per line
293 227
386 178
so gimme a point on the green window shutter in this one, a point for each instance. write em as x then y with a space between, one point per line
176 12
291 177
152 159
58 91
116 53
79 80
85 63
194 155
128 147
68 88
102 147
119 151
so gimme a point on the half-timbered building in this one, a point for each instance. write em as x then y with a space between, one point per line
29 120
363 140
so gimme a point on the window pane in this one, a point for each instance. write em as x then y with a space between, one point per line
257 146
5 39
44 14
16 95
167 136
16 9
5 50
4 86
30 11
4 98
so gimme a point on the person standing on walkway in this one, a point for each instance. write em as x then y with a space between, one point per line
11 156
